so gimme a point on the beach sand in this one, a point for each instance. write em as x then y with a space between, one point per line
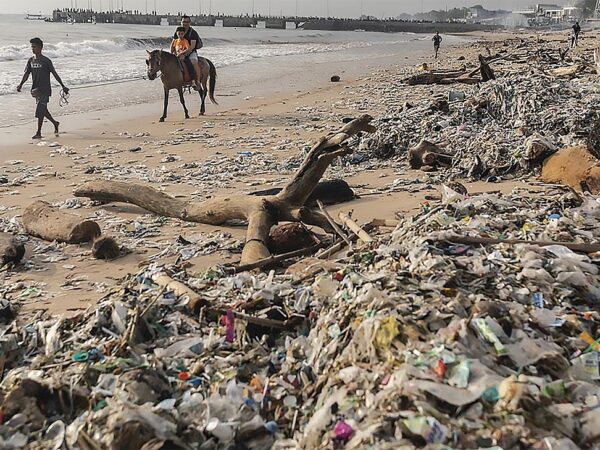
272 119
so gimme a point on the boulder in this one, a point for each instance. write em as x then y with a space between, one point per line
574 167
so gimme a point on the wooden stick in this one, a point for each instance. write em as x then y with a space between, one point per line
474 240
274 259
264 322
334 225
385 223
355 228
327 252
180 289
499 58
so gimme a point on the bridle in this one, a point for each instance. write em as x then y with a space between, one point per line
153 63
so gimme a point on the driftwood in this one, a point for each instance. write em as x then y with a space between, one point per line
179 289
261 213
487 73
434 77
334 225
427 154
566 71
353 226
275 259
329 192
51 224
11 250
390 223
457 76
472 240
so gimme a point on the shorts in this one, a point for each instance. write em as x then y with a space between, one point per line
193 56
42 106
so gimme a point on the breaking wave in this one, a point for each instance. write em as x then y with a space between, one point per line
86 47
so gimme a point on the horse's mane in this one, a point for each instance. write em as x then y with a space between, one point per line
162 53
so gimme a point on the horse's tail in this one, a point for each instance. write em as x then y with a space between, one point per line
213 81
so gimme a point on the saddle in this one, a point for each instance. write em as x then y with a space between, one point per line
187 74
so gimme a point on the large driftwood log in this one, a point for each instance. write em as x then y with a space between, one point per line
51 224
261 213
441 78
11 250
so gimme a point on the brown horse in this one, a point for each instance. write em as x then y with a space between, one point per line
172 78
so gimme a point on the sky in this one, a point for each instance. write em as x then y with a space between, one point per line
339 8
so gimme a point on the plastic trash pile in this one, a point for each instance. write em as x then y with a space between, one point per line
412 342
485 126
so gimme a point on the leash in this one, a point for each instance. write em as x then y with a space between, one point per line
64 96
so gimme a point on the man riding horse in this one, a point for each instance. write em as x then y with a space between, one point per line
195 44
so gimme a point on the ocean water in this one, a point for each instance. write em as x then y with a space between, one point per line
111 55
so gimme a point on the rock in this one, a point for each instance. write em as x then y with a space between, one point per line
289 237
105 248
335 79
574 167
440 105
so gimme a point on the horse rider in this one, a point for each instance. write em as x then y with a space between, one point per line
195 44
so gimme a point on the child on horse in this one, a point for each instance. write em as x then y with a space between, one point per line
180 47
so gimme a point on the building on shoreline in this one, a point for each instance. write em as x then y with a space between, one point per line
549 14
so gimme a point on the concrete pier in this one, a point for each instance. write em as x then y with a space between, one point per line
238 22
277 24
387 26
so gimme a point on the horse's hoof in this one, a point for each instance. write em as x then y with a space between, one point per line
162 119
201 114
187 117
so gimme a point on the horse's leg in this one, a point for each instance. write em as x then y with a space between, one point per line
200 93
164 116
182 100
203 94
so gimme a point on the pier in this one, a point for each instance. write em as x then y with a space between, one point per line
281 23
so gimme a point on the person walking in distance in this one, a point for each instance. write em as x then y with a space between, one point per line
437 40
575 35
40 67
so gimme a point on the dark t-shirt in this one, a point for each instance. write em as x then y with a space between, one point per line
191 35
40 70
437 40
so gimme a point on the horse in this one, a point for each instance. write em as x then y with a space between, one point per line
172 78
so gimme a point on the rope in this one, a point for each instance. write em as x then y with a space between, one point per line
64 96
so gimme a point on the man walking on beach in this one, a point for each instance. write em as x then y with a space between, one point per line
40 68
437 40
195 44
575 35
